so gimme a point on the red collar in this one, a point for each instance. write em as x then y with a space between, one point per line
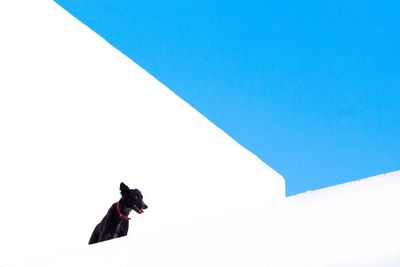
121 215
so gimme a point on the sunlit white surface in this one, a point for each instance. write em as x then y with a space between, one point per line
353 224
77 117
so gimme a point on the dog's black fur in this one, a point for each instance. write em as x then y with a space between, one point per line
116 222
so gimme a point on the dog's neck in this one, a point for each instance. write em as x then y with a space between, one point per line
123 208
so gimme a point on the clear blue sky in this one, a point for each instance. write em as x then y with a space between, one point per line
310 87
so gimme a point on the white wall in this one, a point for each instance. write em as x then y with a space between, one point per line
353 224
77 117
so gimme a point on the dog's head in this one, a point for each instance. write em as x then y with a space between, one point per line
133 198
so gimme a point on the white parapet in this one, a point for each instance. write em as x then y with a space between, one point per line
354 224
349 225
77 117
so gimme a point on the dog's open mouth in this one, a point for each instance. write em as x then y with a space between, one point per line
138 210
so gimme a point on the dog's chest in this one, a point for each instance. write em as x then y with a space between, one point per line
121 229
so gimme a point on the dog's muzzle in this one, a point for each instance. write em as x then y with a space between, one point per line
139 210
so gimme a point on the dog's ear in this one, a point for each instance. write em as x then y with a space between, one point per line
123 187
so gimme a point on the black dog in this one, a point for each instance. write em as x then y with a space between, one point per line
116 222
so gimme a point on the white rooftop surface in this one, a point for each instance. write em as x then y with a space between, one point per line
77 117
